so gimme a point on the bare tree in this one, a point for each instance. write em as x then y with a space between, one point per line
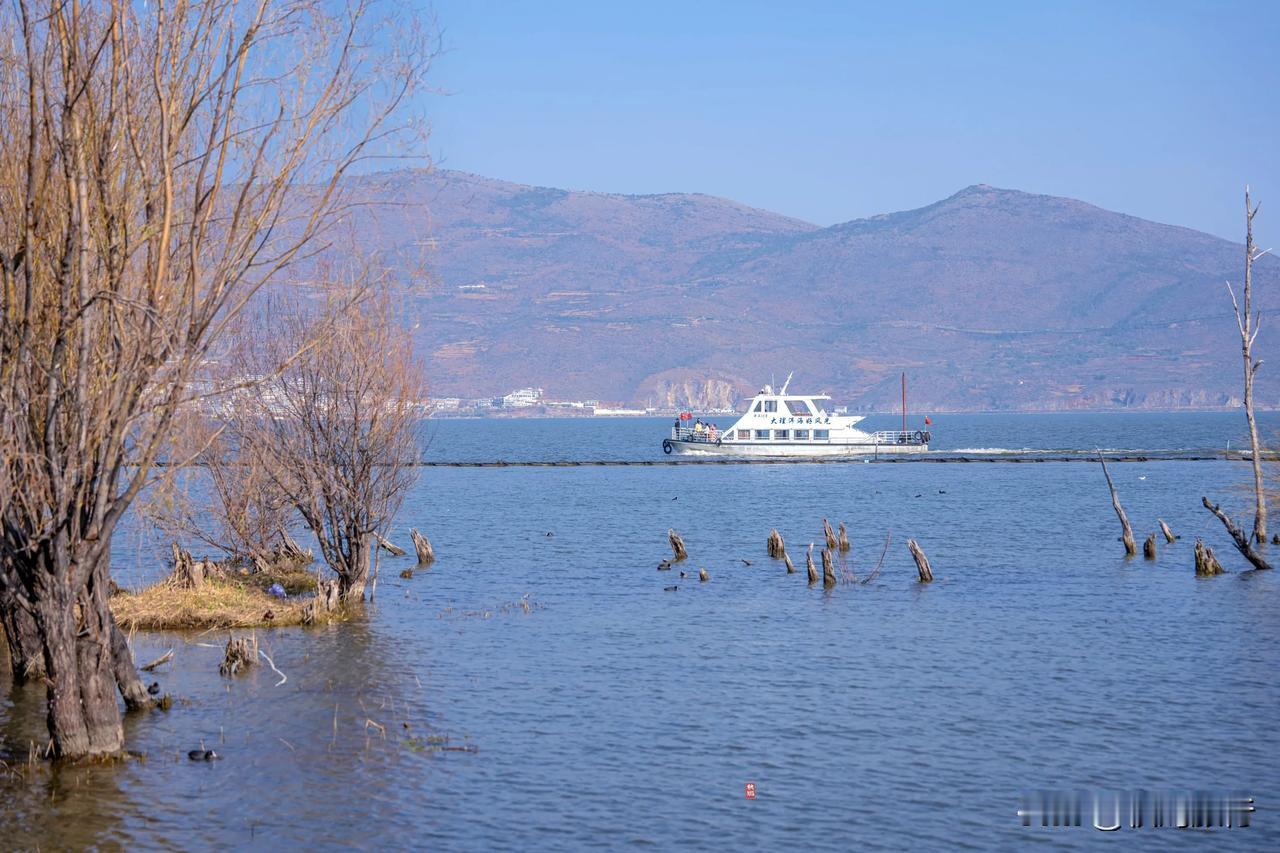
336 428
228 501
1248 321
158 165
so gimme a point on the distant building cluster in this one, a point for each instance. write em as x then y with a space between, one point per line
531 402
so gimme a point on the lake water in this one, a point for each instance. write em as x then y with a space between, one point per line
615 714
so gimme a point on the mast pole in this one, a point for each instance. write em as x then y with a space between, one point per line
904 402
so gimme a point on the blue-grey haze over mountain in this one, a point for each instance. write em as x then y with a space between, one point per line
829 111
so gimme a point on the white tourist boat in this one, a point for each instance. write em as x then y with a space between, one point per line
783 424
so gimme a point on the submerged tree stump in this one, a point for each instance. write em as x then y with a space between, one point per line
844 538
1149 547
922 562
325 602
1130 547
1207 564
677 545
774 545
786 558
384 544
813 570
422 546
828 569
829 534
239 655
703 576
1164 528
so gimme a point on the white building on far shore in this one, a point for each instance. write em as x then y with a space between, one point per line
522 399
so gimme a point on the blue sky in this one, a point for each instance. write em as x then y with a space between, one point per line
833 111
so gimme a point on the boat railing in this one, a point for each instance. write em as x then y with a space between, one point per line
689 434
899 437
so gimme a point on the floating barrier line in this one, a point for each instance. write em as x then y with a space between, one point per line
895 460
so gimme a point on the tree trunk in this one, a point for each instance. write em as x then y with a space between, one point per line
1164 528
1130 547
1243 544
353 577
810 568
1248 334
84 719
26 656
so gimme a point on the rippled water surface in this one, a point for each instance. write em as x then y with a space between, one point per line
614 713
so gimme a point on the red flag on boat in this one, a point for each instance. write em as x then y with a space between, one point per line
927 422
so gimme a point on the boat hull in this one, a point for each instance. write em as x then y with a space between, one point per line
677 447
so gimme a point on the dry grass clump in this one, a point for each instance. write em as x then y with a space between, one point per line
222 601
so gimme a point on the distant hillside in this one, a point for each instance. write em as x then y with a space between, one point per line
991 299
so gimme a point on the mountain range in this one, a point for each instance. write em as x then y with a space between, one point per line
991 299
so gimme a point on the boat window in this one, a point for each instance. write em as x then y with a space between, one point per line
799 407
771 405
781 433
744 435
757 408
821 434
802 434
762 434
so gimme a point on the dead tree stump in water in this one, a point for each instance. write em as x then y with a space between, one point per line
922 562
774 545
1238 536
386 545
1149 548
325 601
844 538
813 570
703 577
1164 528
426 556
240 654
677 545
1207 564
786 558
1130 547
828 569
829 534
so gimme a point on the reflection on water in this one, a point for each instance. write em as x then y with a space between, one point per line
612 713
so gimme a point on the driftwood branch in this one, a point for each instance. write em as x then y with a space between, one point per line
1164 528
163 659
1242 540
1130 547
786 558
387 545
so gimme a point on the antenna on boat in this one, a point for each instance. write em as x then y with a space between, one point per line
904 402
788 382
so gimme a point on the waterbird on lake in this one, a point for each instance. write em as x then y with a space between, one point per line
684 574
203 755
664 566
746 562
154 688
670 588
